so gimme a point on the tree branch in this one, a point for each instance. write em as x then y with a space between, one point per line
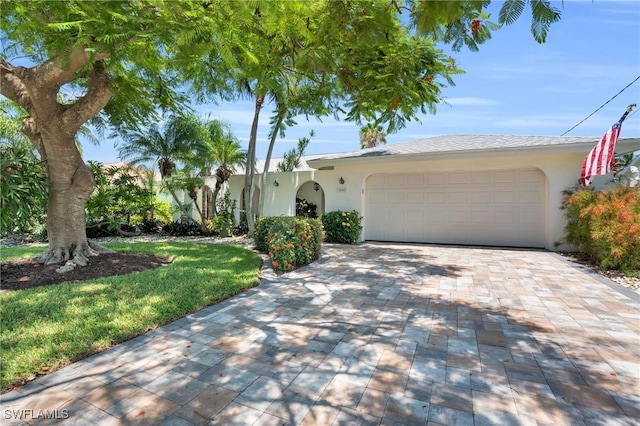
30 128
54 73
12 86
97 96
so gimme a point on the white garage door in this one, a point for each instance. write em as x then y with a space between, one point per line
500 208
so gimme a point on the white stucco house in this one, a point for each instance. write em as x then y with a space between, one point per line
459 189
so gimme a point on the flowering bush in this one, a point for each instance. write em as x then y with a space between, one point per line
342 227
290 241
605 226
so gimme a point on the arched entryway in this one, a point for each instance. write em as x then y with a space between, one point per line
310 199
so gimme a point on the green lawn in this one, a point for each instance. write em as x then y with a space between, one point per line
45 328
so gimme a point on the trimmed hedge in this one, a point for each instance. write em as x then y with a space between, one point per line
342 227
290 241
605 226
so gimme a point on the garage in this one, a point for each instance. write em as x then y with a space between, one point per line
495 207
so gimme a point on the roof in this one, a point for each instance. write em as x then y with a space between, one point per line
468 143
273 164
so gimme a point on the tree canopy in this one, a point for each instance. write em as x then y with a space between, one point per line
371 60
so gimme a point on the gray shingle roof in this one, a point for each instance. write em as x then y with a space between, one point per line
456 143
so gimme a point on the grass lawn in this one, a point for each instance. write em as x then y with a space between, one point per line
45 328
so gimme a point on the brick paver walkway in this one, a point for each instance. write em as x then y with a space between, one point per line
375 334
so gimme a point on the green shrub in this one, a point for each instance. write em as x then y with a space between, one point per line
342 227
605 226
184 229
290 241
261 232
23 188
223 225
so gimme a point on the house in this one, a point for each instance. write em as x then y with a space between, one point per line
459 189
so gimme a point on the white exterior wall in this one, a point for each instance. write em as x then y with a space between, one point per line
562 171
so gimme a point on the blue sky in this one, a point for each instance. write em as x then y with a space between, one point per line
512 86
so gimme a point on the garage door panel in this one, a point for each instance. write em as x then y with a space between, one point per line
458 217
500 207
504 176
376 196
457 197
532 217
436 179
502 196
530 196
395 198
435 216
505 218
415 197
481 178
458 178
415 179
532 176
435 198
416 216
478 197
396 180
376 181
481 217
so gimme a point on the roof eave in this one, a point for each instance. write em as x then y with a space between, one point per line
623 146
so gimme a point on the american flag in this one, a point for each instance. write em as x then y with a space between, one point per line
600 159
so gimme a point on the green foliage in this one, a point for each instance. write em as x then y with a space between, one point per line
162 210
23 188
150 226
372 135
11 116
224 222
342 227
122 196
291 158
58 324
605 226
262 231
184 229
543 14
222 226
177 140
226 206
290 241
305 208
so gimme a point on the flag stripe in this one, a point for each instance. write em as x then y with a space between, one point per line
600 159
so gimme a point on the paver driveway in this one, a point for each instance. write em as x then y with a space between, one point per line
375 334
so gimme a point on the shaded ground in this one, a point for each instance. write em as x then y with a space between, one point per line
27 273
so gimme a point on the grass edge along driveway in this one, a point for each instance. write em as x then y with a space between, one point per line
43 329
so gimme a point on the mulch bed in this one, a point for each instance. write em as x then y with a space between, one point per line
28 273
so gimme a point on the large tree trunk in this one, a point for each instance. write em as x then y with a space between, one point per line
52 128
71 184
265 174
249 172
214 196
208 208
181 207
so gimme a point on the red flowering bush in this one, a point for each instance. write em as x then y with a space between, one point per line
290 241
605 225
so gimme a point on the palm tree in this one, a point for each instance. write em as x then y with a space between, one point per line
371 136
178 140
223 152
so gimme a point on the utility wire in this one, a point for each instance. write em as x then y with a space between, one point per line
602 106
